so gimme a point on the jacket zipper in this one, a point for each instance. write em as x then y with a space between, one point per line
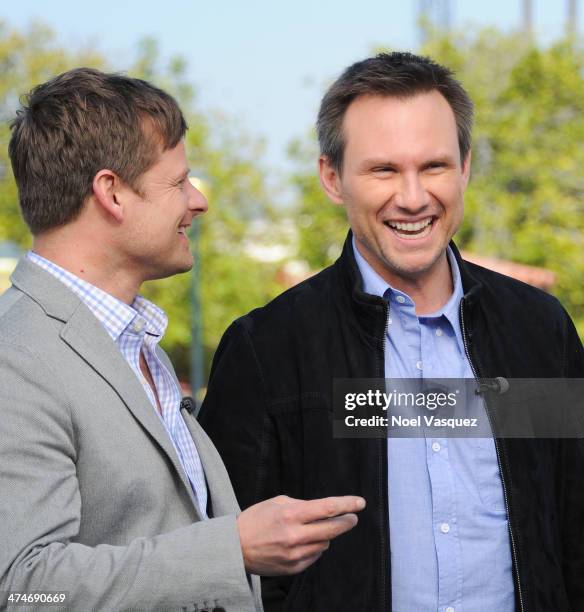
383 489
498 453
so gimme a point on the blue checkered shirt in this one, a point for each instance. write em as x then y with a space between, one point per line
135 328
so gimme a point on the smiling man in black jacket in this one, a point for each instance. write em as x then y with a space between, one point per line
451 523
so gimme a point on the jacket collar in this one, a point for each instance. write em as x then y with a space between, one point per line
47 291
471 285
370 311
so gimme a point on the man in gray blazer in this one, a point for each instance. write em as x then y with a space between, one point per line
111 496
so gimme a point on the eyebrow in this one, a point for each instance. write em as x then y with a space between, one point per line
383 161
378 161
443 158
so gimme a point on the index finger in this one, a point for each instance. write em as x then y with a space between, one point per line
327 507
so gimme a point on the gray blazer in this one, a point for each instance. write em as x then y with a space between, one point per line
93 499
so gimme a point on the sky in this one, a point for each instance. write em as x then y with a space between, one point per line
265 63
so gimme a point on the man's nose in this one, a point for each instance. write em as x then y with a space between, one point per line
411 194
197 201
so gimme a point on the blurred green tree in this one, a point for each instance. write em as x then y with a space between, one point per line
525 202
26 58
231 281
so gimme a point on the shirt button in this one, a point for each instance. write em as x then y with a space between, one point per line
445 528
449 609
439 333
138 326
419 365
401 299
436 447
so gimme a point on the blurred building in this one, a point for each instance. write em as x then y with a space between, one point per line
532 275
271 241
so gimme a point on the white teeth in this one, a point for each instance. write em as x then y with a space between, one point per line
182 230
411 227
406 230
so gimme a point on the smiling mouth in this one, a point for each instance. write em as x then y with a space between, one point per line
183 230
411 231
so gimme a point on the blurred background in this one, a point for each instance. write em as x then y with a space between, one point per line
249 77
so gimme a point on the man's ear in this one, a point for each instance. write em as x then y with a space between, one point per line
106 192
466 169
330 179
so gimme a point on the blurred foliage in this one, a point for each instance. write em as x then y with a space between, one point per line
525 202
26 59
231 282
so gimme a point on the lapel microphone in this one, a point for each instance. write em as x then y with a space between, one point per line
498 385
188 403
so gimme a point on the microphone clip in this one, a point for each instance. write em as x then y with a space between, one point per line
188 403
497 385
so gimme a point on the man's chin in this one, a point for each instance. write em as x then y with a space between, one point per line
186 267
415 266
169 271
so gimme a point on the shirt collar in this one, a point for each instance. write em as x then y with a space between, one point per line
115 316
155 317
451 309
372 282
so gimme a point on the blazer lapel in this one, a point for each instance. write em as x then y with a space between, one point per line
220 490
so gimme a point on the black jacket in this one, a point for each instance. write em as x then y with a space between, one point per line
268 410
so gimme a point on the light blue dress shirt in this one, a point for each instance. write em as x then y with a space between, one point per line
449 536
